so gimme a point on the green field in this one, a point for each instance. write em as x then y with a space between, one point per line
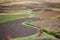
17 15
9 18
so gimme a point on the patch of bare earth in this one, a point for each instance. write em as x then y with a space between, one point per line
50 24
47 14
55 5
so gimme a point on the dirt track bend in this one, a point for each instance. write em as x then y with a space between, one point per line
15 28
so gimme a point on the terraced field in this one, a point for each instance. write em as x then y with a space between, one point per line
24 20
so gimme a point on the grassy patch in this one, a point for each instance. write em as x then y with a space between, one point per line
29 24
55 34
18 12
9 18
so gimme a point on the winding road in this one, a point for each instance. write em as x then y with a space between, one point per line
15 28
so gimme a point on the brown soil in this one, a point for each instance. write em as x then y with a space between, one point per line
50 24
53 5
47 14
